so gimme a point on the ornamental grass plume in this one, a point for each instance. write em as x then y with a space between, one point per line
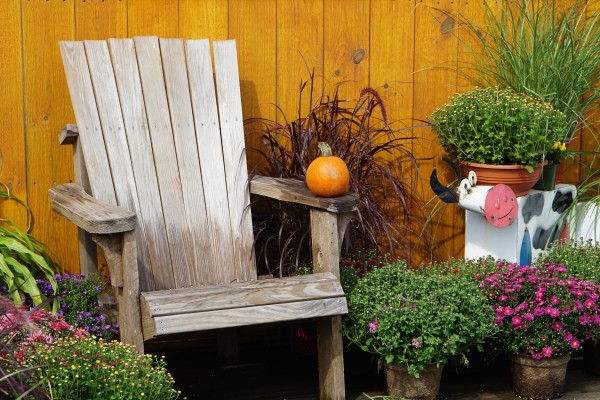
541 311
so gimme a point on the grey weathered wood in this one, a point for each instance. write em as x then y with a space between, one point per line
68 135
184 135
331 358
295 191
88 121
244 316
73 203
88 257
234 155
154 105
208 135
180 239
117 149
239 295
129 86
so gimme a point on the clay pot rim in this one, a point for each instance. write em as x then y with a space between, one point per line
501 166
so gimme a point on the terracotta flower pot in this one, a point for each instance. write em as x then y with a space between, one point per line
404 386
538 379
515 176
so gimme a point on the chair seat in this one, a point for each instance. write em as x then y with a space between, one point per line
238 304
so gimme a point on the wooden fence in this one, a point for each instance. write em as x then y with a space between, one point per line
385 44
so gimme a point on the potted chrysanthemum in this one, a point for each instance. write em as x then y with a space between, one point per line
543 314
416 322
493 130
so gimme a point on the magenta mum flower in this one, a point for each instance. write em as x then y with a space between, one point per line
373 326
554 300
557 326
574 343
547 351
528 317
566 310
517 321
538 311
568 336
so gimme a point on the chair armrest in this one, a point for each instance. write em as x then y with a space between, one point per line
295 191
91 215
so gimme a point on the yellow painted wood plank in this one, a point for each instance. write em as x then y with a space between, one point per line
256 38
100 19
346 44
437 46
153 18
13 170
392 55
206 19
47 110
299 50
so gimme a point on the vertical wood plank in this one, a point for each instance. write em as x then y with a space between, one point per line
331 358
392 55
113 129
299 50
251 24
437 46
346 40
206 19
165 156
100 19
47 106
234 156
138 137
13 169
153 17
184 136
208 136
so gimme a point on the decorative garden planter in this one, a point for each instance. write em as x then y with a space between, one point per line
404 386
549 177
515 176
538 379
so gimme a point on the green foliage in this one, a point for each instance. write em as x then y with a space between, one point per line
582 258
84 368
498 126
23 258
379 158
414 318
547 49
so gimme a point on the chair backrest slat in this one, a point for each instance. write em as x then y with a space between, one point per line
109 110
86 113
234 155
159 140
184 134
206 115
150 215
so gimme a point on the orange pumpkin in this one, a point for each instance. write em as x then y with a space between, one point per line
328 175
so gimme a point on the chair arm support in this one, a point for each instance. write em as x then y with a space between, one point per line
295 191
91 215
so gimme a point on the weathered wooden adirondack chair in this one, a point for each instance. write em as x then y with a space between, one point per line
166 166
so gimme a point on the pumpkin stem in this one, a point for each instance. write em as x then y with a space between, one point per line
325 149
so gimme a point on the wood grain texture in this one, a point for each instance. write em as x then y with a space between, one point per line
140 148
348 52
100 19
244 316
295 191
180 238
251 24
326 239
153 17
234 156
300 26
13 167
437 45
46 100
184 136
94 216
331 358
112 247
204 19
240 295
208 136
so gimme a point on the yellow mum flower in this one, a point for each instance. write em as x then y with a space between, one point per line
556 145
563 147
